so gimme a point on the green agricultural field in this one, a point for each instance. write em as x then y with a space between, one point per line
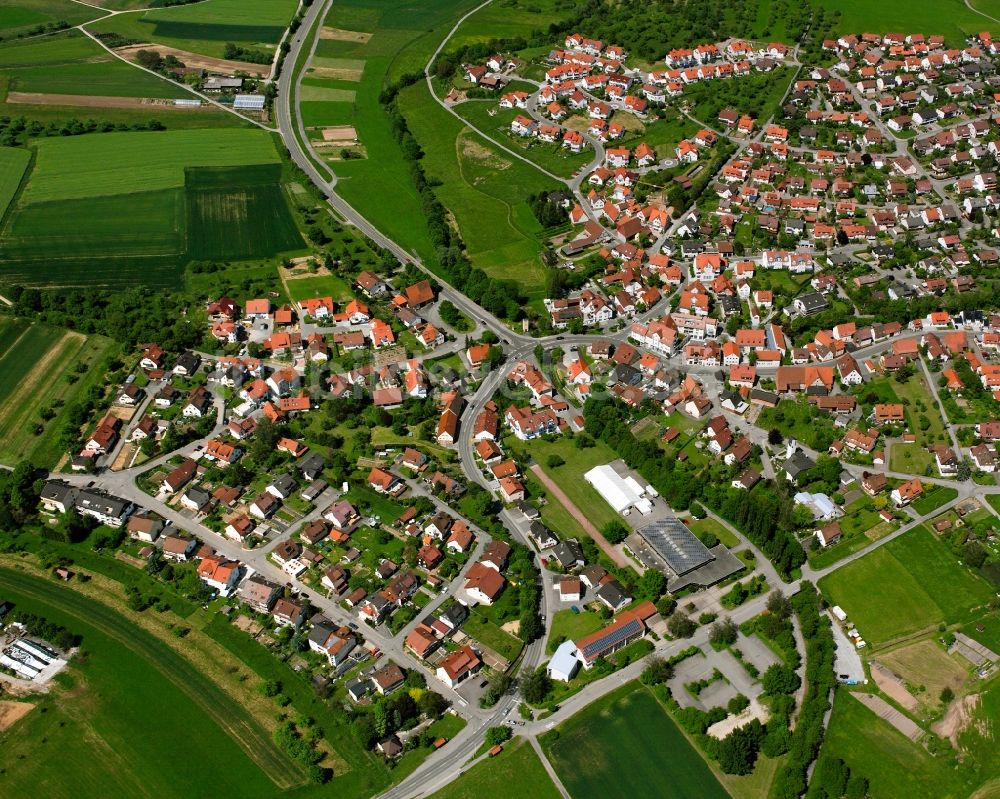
117 163
13 164
402 37
236 213
911 584
207 26
508 20
952 18
604 752
125 239
326 114
96 740
20 16
43 368
892 763
517 771
316 91
80 220
70 63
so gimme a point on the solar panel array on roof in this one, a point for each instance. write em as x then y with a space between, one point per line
612 639
677 545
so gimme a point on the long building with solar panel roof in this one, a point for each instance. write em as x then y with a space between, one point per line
676 545
627 627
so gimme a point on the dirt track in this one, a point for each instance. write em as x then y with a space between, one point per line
95 101
12 712
576 513
196 61
344 36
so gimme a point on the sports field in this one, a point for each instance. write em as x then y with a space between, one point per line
41 367
623 746
238 212
207 26
911 584
13 163
96 739
517 771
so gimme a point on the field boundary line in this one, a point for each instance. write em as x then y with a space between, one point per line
146 652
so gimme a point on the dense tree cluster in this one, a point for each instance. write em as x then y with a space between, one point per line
766 516
55 634
252 55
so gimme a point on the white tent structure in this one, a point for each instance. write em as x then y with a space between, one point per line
621 493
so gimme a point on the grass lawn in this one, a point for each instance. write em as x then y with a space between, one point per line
603 751
715 528
13 163
920 405
555 516
989 635
516 771
910 584
488 118
478 183
570 626
849 544
799 420
935 498
911 459
129 676
491 636
569 476
892 763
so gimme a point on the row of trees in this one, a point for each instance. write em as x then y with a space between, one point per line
16 131
502 298
806 740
